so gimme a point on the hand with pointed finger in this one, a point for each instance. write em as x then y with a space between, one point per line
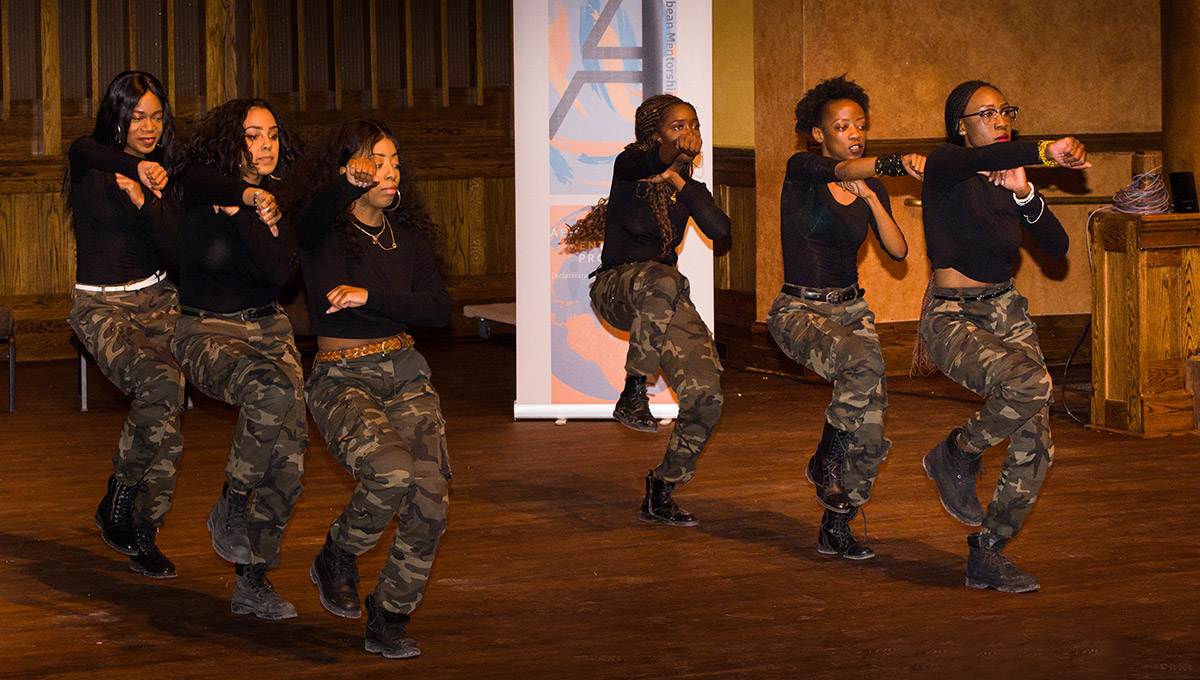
344 297
132 189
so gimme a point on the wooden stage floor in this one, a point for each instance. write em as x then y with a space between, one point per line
545 571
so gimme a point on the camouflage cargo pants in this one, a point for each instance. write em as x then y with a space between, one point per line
652 301
991 348
383 422
129 335
254 365
838 342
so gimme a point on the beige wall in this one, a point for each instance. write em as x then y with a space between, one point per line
733 73
1072 67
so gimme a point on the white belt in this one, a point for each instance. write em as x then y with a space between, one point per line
136 285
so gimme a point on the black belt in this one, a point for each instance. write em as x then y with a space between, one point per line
252 314
974 298
833 297
606 267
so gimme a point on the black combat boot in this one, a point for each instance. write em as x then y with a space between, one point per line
825 469
254 594
386 634
149 560
954 471
988 568
835 537
229 527
114 517
658 506
633 406
335 572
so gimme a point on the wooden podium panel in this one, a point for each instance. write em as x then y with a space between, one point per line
1145 320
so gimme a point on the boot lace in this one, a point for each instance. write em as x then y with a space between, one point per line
343 565
122 508
145 540
841 527
235 519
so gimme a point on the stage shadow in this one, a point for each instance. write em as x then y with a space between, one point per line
163 604
587 504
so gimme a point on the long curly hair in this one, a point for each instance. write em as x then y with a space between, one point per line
218 139
115 112
350 139
956 106
810 110
588 231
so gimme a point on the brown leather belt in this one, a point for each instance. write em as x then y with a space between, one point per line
402 341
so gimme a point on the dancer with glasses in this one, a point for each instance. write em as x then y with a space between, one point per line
123 307
367 251
976 326
821 319
233 340
639 289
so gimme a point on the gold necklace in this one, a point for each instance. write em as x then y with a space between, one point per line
386 226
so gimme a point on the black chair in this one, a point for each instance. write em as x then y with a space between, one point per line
6 334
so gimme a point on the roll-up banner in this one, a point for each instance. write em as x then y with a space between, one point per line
581 67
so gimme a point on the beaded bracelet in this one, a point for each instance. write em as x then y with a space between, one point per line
1046 160
890 165
1028 197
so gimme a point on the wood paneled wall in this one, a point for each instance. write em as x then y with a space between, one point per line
437 71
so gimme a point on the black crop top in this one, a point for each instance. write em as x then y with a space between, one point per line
229 262
115 242
632 234
975 226
820 236
403 285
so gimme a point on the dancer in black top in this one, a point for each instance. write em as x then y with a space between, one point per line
975 324
369 269
123 307
233 340
639 289
821 319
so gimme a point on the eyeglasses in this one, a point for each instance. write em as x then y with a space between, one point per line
988 115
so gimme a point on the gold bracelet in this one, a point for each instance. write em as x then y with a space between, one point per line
1046 160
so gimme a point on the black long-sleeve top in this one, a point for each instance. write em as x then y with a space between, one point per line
403 284
116 242
632 233
229 262
820 236
975 226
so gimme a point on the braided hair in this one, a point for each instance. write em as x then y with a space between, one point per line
956 106
811 107
588 231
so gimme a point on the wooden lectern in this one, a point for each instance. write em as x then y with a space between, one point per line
1145 321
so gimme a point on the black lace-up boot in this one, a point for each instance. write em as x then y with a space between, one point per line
254 594
988 568
954 471
386 634
114 517
149 560
658 506
633 406
825 469
835 537
335 572
229 526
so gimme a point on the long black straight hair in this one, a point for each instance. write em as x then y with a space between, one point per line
116 110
